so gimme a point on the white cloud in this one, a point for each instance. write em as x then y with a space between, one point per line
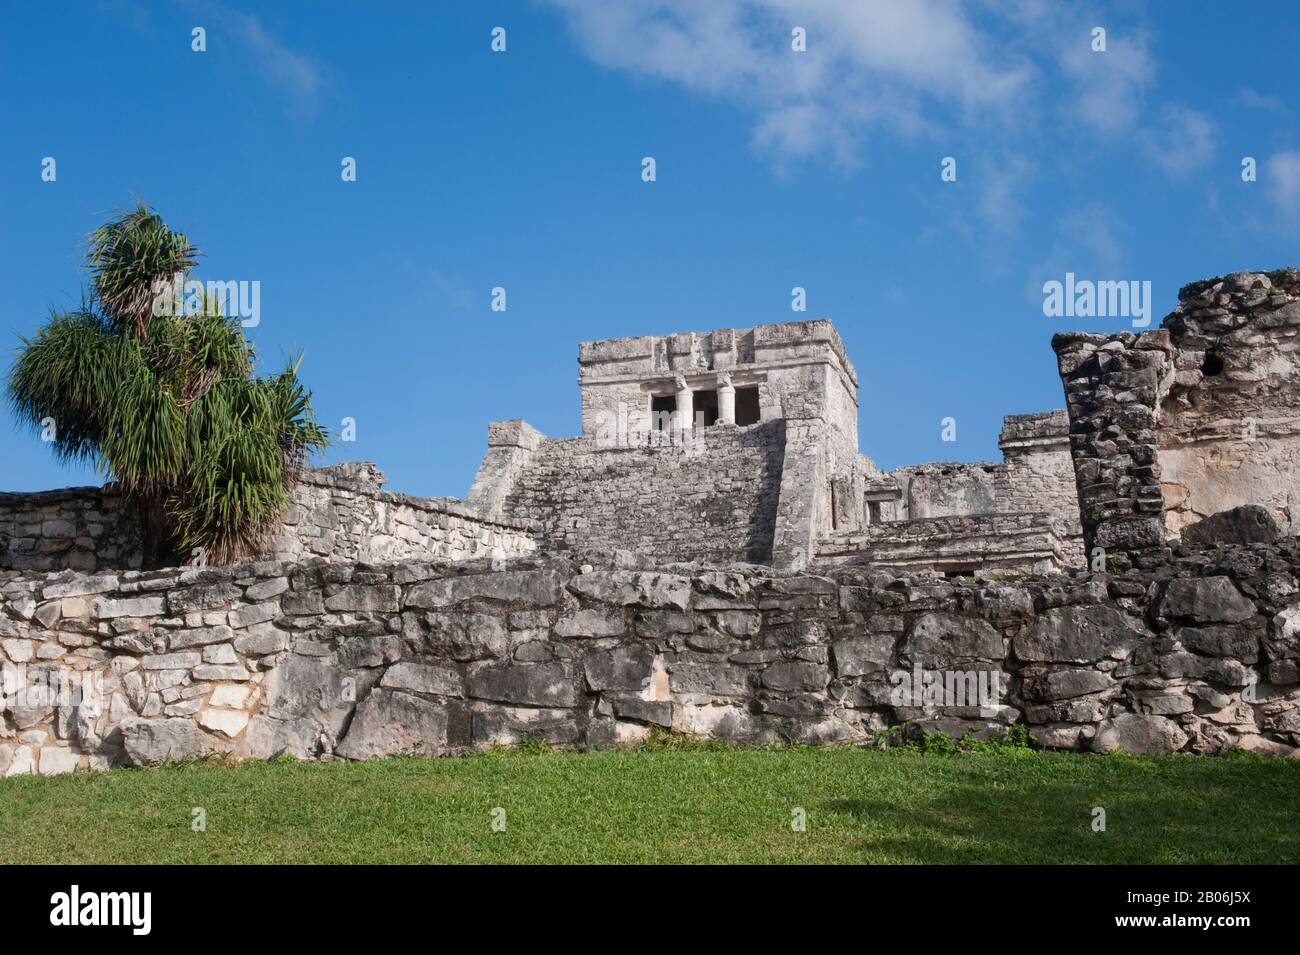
883 63
294 72
1108 87
297 76
1181 142
1282 174
1253 100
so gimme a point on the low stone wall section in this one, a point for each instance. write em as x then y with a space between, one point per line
1193 651
339 513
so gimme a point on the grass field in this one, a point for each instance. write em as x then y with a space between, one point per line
692 804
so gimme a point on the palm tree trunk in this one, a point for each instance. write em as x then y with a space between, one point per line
156 544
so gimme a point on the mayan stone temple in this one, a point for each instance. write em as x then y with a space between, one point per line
714 555
741 445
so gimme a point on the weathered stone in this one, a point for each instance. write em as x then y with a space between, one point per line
251 616
203 597
182 639
107 608
541 684
534 651
80 586
590 623
265 589
229 723
218 671
230 695
1064 684
420 678
707 679
266 738
308 687
627 667
1248 524
494 725
369 651
537 588
1221 641
858 655
220 653
939 640
388 722
634 588
260 641
795 677
463 637
385 598
1077 634
659 712
148 741
1140 735
172 661
738 623
57 760
18 651
1204 600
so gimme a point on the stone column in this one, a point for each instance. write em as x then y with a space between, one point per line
726 400
1113 386
684 420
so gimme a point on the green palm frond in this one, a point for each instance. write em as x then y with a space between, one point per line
130 259
65 375
167 405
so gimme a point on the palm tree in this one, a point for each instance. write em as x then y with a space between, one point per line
167 405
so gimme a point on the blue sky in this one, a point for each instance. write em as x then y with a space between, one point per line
522 169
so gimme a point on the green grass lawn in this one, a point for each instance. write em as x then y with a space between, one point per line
692 804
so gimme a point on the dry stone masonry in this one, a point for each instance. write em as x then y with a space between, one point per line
80 528
713 555
338 513
1198 652
1173 425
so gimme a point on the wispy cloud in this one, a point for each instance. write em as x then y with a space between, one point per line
1252 100
1108 87
297 76
1181 142
295 73
1088 242
1282 174
867 65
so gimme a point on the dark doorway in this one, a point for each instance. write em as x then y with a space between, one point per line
747 406
706 408
662 409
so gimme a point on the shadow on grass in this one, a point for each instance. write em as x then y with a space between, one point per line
1171 811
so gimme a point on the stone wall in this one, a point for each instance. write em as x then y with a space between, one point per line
338 512
341 514
1228 428
1020 515
707 494
1199 416
948 488
1112 384
1193 650
991 545
78 528
1035 474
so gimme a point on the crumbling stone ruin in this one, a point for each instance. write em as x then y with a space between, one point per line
338 513
713 555
742 445
1196 417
